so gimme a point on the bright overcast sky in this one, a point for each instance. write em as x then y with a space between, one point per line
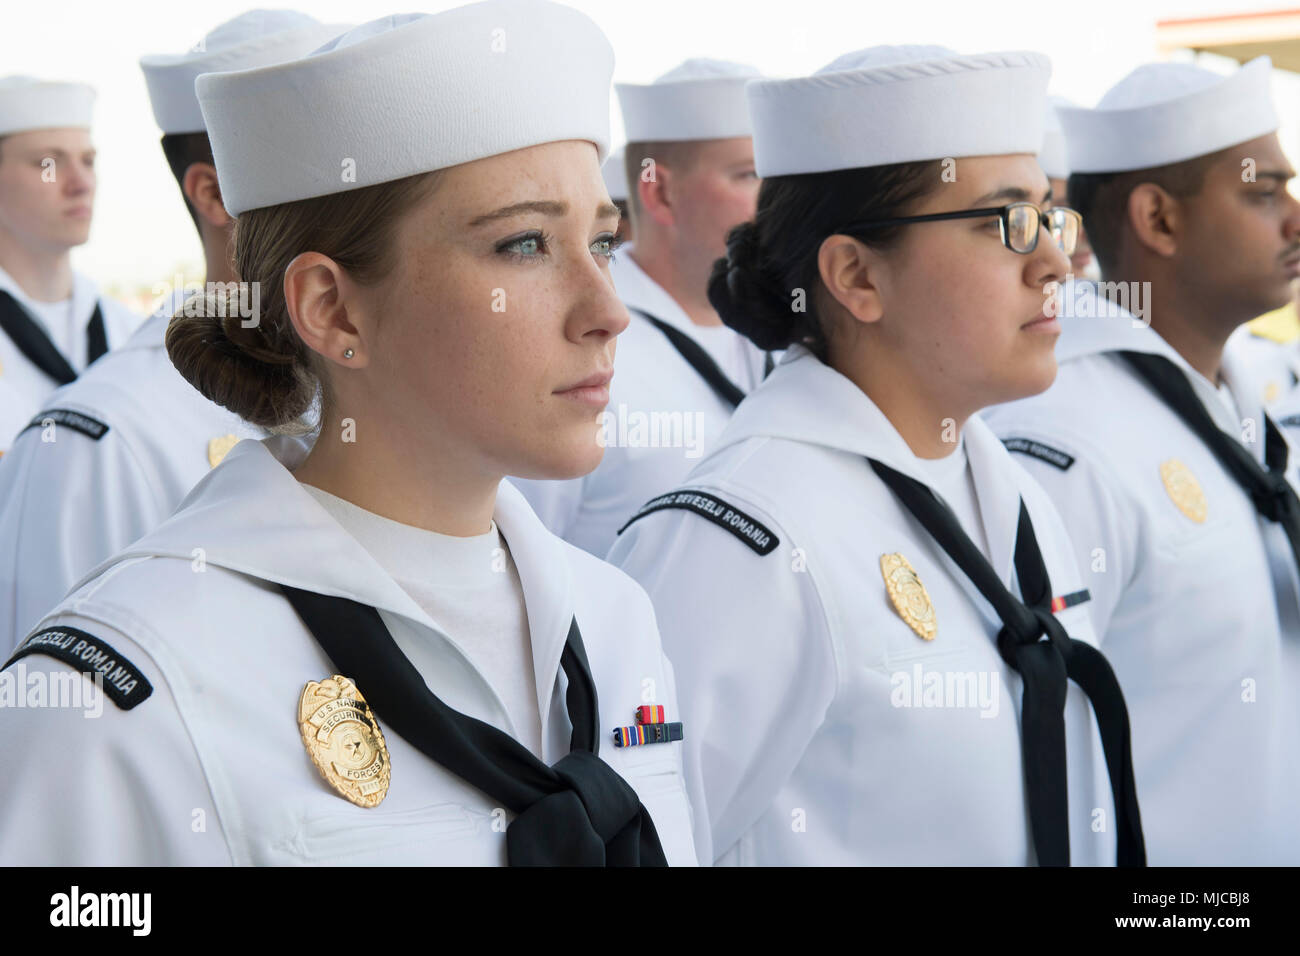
142 234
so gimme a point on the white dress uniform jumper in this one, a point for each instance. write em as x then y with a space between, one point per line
820 626
103 462
255 593
1174 494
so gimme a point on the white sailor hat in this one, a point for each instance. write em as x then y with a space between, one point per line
408 94
698 99
1165 113
899 104
27 104
1052 156
252 39
615 176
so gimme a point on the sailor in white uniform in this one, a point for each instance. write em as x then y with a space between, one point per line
855 585
366 648
111 455
680 372
53 320
1168 473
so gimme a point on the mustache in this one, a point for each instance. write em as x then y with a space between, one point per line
1292 251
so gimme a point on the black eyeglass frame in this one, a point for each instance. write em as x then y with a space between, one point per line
1004 223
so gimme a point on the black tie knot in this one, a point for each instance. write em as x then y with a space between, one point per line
597 816
1273 497
1025 631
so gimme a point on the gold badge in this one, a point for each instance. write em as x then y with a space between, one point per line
1271 392
219 447
908 595
344 740
1184 490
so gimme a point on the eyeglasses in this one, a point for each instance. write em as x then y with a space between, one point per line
1021 224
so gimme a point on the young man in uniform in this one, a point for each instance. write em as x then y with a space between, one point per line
679 372
1154 444
53 321
109 457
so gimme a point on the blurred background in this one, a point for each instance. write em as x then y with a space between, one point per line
143 239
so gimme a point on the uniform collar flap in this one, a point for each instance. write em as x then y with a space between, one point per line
250 515
806 400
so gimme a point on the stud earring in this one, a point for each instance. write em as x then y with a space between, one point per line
348 353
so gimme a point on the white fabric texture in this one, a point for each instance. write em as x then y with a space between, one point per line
836 762
228 658
1200 618
1164 113
408 94
67 504
470 586
698 99
27 103
252 39
862 110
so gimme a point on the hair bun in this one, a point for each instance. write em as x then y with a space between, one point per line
247 369
748 296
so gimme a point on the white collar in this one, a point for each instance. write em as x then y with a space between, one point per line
807 401
254 518
1092 326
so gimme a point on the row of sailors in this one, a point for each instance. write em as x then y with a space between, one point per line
914 471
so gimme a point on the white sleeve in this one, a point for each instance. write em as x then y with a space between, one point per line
65 506
87 783
752 657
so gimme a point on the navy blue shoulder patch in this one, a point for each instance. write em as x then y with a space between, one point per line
1036 449
758 537
90 427
124 683
1290 421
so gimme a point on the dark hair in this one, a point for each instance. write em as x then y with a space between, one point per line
1102 199
264 372
772 257
183 150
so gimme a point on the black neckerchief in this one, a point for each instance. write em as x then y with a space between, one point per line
26 333
1266 487
1044 667
579 812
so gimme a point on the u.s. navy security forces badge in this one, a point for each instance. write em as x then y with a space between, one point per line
219 447
344 740
908 594
1184 490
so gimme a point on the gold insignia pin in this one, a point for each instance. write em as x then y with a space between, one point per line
1184 490
219 447
343 740
908 595
1271 392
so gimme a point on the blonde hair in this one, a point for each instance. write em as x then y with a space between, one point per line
263 372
